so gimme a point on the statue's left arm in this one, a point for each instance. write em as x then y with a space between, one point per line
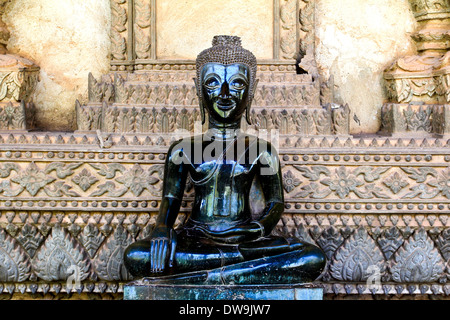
270 179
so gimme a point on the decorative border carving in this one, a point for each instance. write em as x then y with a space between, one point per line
369 201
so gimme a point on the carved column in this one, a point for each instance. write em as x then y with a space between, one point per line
18 77
417 83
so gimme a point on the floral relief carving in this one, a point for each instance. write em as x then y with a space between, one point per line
91 238
352 260
290 182
288 34
342 183
439 185
32 179
417 260
109 259
30 238
84 179
62 169
15 265
443 243
136 179
59 252
142 19
442 183
395 183
60 189
329 240
118 26
390 240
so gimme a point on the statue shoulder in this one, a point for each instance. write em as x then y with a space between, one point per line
266 147
268 158
180 150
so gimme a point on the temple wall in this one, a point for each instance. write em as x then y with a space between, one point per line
67 40
355 42
377 202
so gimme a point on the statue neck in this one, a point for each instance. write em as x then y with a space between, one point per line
225 131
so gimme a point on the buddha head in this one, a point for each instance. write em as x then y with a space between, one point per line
226 80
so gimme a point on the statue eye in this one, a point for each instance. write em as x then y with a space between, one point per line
211 83
238 84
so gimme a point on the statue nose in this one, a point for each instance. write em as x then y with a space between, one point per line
225 91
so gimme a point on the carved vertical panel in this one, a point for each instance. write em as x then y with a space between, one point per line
142 23
288 31
119 19
306 27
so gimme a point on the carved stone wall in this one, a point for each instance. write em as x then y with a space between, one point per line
71 202
160 97
376 202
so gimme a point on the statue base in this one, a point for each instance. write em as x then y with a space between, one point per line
140 290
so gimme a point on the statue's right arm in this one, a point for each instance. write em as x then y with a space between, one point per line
163 236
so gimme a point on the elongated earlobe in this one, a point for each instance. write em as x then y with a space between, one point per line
250 101
200 101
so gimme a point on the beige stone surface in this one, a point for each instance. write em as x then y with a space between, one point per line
67 39
357 40
184 28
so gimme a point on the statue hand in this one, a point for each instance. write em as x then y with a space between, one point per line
236 234
162 248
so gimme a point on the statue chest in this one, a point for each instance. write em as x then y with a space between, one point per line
222 189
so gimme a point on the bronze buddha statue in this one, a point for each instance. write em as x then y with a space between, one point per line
220 242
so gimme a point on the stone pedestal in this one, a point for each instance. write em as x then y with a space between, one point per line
418 85
142 290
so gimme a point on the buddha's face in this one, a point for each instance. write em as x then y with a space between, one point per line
225 91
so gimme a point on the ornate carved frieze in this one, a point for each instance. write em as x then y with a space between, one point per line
70 203
161 101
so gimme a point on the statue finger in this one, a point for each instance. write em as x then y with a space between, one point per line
165 247
152 255
158 255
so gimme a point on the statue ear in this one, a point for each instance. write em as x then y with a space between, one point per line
200 100
247 111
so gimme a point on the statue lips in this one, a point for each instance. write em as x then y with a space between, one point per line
225 104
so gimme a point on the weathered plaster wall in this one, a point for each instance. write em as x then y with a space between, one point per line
67 39
357 40
173 16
